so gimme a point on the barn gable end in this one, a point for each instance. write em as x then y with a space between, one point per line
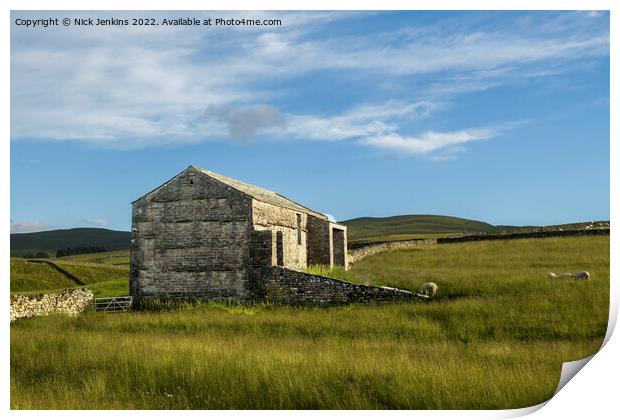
189 238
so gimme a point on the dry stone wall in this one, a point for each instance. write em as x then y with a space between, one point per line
298 288
70 301
359 253
524 235
60 270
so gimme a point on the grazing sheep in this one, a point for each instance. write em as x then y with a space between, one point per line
428 289
582 275
561 276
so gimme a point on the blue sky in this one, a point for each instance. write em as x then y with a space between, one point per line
495 116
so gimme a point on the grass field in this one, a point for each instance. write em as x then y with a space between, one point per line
119 258
36 277
495 337
405 237
108 276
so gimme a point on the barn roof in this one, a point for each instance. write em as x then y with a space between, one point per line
261 194
257 193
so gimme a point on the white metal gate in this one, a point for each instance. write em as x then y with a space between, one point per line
113 304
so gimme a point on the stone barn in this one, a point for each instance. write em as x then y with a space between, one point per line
204 235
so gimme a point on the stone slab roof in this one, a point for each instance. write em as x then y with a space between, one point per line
261 194
257 193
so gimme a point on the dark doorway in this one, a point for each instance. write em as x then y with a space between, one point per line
279 249
339 250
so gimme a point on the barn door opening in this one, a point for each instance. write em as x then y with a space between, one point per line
279 249
339 248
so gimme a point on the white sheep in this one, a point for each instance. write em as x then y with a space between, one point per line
561 276
582 275
428 290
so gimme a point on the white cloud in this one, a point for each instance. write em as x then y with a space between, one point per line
98 222
361 121
429 141
435 50
244 123
440 145
594 13
138 87
28 227
375 125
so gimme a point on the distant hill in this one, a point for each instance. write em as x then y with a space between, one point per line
369 228
52 240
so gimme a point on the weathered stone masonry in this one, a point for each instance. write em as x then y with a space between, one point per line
204 235
295 287
70 301
374 248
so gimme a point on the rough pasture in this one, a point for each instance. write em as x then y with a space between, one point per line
495 336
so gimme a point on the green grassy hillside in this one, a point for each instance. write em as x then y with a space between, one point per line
416 225
117 258
495 337
36 277
53 240
102 279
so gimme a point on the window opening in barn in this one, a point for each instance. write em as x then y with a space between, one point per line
298 229
279 249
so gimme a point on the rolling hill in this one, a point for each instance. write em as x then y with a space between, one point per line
362 229
52 240
374 228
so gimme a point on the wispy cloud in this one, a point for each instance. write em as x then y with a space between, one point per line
360 121
139 87
429 141
376 125
28 227
98 222
449 143
244 123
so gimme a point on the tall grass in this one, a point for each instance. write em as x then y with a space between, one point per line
495 337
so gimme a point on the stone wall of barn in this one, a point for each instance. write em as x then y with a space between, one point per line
320 245
289 234
295 287
190 239
327 243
